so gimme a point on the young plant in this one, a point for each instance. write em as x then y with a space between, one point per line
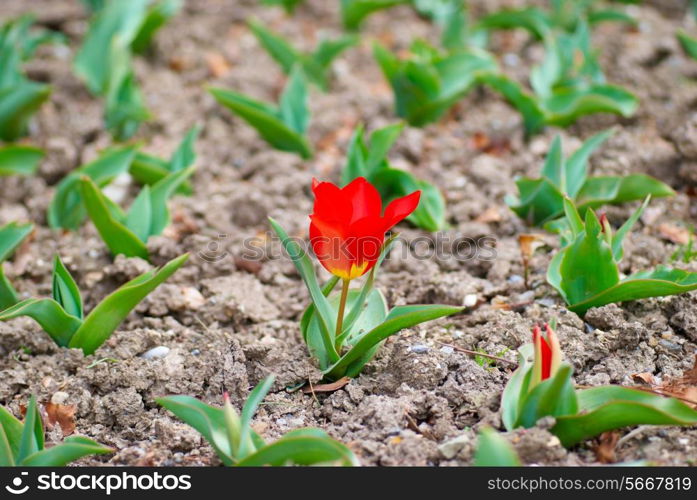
347 233
564 15
62 316
688 43
430 81
67 210
315 64
19 160
567 85
283 126
236 444
354 12
11 236
494 451
288 5
586 273
104 62
452 16
20 98
541 386
541 200
369 160
149 169
22 443
128 232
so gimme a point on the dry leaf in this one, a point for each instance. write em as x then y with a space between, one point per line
217 64
63 415
645 378
491 214
497 146
605 449
528 244
676 234
334 386
683 388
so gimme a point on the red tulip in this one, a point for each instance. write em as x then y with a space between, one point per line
348 227
547 354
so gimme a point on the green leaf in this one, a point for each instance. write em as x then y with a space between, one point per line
66 209
588 265
659 282
62 454
101 322
618 237
278 47
160 194
119 238
250 408
577 163
553 168
266 120
11 235
603 190
688 43
552 397
540 201
6 455
353 12
12 430
494 451
288 5
565 106
613 407
610 15
8 295
301 450
512 398
139 217
157 16
65 290
307 273
293 102
18 103
534 118
399 318
328 50
32 437
532 19
208 421
381 141
19 160
125 108
59 325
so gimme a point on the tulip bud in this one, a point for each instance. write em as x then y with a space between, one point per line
547 355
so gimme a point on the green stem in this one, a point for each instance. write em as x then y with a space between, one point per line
340 318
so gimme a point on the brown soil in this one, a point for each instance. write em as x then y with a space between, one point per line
227 324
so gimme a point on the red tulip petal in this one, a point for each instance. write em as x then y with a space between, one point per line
329 245
546 358
400 208
330 203
364 198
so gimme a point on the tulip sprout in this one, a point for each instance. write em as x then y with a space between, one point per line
11 236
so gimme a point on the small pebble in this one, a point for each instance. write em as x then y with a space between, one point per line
419 349
446 349
470 300
195 352
515 279
156 352
671 346
59 398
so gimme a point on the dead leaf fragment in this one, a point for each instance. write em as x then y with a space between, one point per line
491 214
605 449
676 234
217 64
334 386
63 415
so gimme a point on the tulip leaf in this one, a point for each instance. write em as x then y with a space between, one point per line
65 290
327 315
117 236
688 43
254 399
353 12
494 451
101 322
511 402
66 209
540 201
69 450
613 407
11 236
566 106
288 5
301 450
18 103
19 160
534 117
283 128
207 420
532 19
158 14
149 169
430 81
12 430
6 455
32 437
48 313
399 318
552 397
